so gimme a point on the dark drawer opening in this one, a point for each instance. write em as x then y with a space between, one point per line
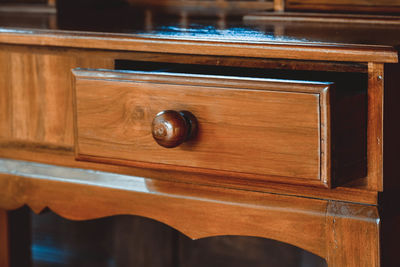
348 105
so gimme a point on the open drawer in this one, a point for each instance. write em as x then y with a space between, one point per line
260 129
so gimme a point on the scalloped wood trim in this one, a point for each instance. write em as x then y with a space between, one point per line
196 211
321 227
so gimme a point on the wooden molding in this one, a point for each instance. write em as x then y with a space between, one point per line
196 211
255 49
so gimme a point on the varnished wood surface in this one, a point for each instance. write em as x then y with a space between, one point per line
236 136
206 37
268 49
51 141
373 6
45 116
64 156
333 230
171 128
4 239
44 78
324 18
279 5
353 235
375 125
183 207
195 211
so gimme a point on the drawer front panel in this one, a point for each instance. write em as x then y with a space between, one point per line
249 128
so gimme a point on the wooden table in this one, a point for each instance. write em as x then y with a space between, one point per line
297 134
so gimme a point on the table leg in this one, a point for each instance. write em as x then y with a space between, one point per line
4 239
353 235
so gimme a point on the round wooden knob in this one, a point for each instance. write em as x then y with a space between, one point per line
171 128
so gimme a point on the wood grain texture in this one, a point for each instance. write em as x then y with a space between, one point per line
195 211
262 135
36 94
279 5
375 126
332 230
268 48
65 157
4 239
40 150
353 235
133 241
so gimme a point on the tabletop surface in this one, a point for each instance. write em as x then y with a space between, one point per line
374 33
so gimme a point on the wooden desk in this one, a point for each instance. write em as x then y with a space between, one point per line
310 158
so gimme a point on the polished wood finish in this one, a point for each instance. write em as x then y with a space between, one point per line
384 6
4 239
353 235
65 157
22 117
375 125
279 5
324 18
188 213
171 128
249 137
224 195
269 49
186 209
128 240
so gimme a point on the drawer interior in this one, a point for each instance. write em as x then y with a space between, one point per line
351 80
